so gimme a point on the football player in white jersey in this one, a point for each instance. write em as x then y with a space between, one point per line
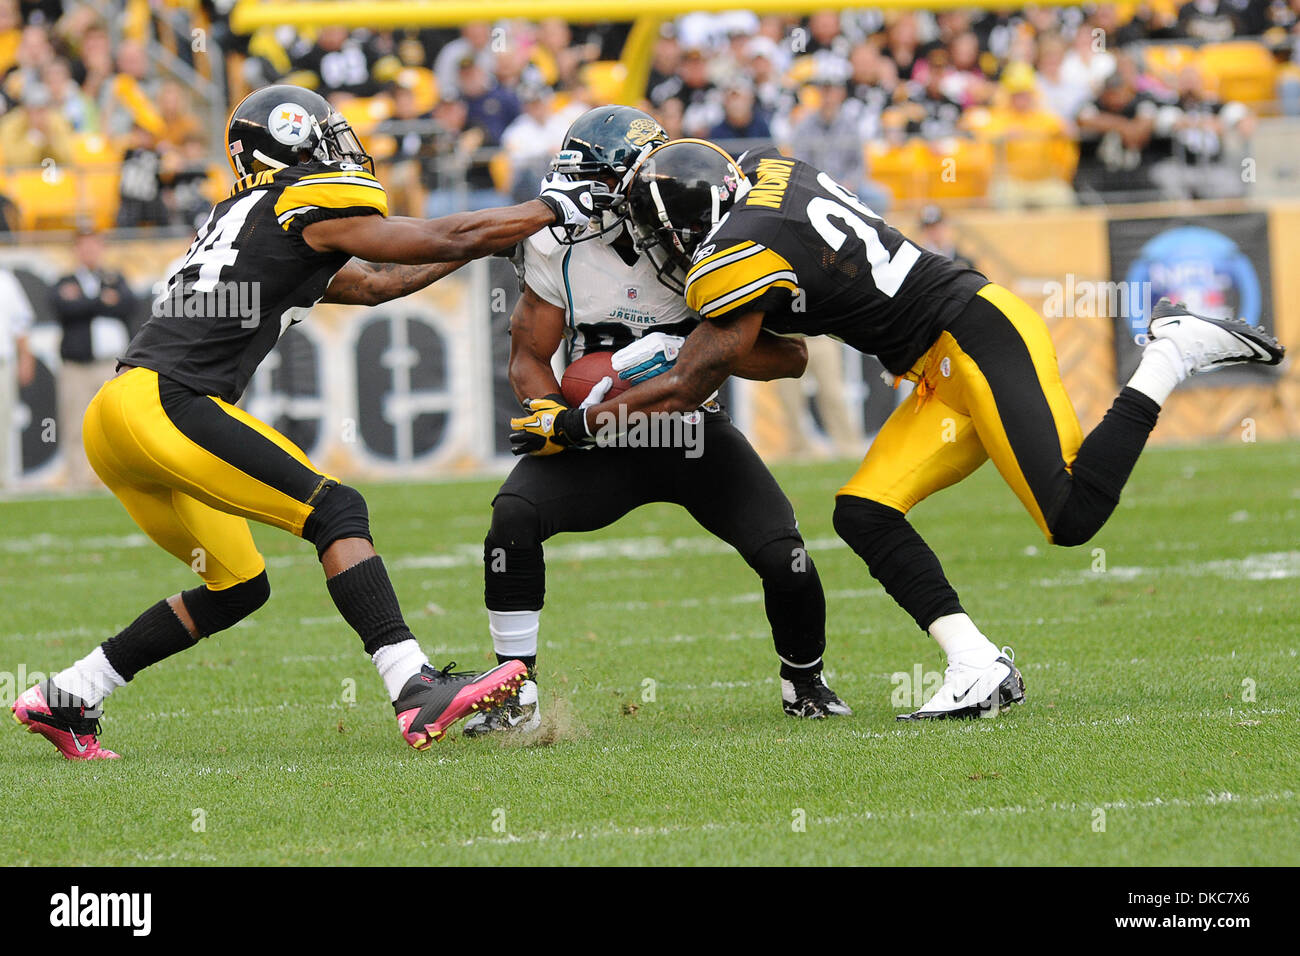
601 295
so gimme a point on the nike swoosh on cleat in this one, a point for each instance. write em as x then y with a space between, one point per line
81 748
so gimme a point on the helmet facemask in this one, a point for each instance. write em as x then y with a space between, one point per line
613 214
340 143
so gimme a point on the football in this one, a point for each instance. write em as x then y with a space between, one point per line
580 376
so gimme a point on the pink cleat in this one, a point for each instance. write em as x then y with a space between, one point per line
69 724
433 699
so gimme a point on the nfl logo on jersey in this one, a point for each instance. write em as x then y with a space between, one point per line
632 292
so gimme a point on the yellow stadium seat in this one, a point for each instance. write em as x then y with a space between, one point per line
1244 70
44 202
903 169
423 83
98 191
500 171
364 113
605 79
93 149
1168 58
959 169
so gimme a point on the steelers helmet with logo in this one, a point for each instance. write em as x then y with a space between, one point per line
283 125
676 196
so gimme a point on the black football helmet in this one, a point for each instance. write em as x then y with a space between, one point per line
284 125
604 145
675 197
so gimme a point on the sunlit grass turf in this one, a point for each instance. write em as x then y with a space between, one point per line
1136 678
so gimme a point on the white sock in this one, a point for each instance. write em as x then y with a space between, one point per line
962 641
398 663
514 633
92 678
1161 369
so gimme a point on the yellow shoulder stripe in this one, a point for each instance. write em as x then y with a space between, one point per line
714 257
311 194
716 287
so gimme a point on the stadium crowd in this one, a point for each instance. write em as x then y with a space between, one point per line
1041 106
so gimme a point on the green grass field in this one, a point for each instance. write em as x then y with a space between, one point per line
1162 726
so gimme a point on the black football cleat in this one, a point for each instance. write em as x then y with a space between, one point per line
810 698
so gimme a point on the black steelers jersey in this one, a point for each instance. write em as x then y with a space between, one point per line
249 275
803 250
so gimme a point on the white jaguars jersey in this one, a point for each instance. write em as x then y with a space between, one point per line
607 303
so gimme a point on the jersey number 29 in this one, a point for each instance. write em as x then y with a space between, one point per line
887 271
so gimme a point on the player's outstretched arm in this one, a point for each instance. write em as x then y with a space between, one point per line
536 328
397 239
710 353
370 283
464 235
773 356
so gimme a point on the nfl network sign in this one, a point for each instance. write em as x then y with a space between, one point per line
76 909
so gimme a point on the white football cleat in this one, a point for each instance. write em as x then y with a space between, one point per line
969 691
520 714
1206 343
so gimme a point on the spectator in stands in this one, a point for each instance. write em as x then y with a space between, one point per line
1089 62
67 97
140 189
1211 21
405 172
692 86
490 107
1036 156
190 181
964 81
823 35
337 64
555 43
830 137
533 139
1063 94
873 80
128 99
463 172
474 43
937 236
1122 135
17 367
35 133
93 69
740 123
11 31
903 45
665 59
95 307
179 121
1204 164
928 111
33 54
760 65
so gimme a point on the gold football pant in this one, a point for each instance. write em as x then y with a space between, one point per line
988 388
191 469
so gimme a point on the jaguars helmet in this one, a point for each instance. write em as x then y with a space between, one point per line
675 197
604 145
283 125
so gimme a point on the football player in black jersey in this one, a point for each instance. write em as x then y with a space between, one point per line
616 305
770 243
191 468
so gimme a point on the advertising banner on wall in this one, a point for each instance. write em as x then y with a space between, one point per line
1217 265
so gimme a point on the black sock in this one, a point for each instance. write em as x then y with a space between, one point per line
795 606
1102 467
156 634
364 596
897 557
530 662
